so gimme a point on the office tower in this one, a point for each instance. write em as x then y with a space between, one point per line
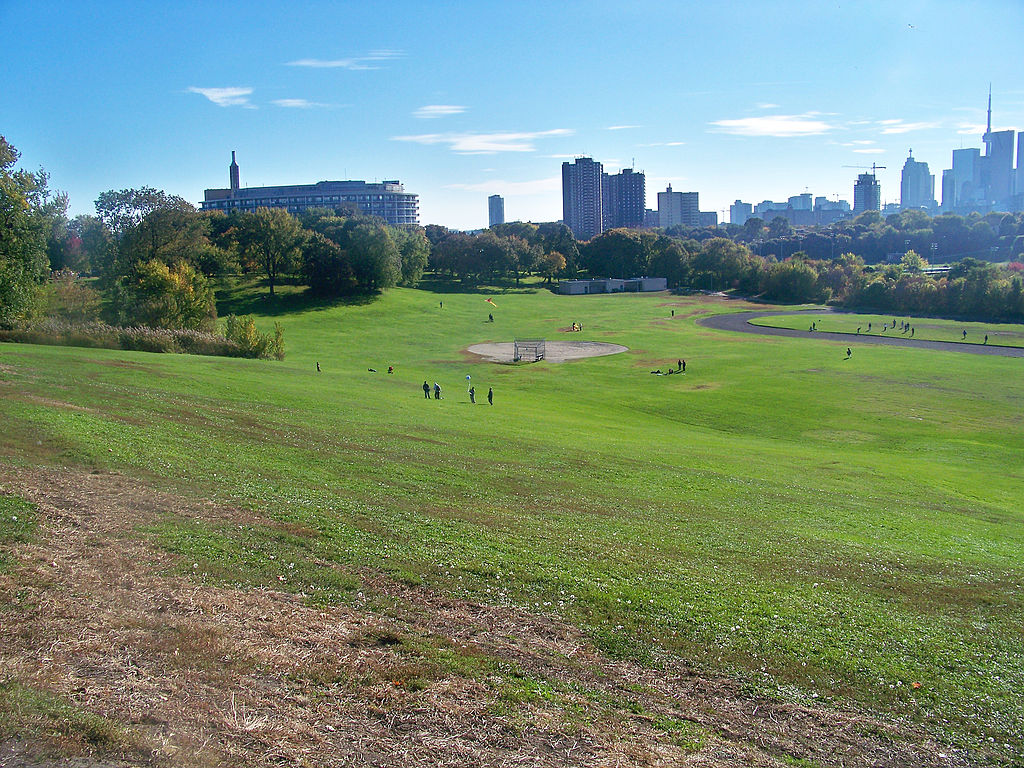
917 185
678 208
948 190
582 204
625 199
967 187
1020 164
739 212
387 200
495 210
867 193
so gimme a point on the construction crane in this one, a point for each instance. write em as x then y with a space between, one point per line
873 167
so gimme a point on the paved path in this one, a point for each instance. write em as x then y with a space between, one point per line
740 321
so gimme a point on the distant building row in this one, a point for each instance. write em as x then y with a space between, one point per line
387 200
594 201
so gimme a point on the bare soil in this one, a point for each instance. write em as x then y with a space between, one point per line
554 351
92 611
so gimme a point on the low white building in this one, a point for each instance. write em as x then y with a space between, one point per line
612 285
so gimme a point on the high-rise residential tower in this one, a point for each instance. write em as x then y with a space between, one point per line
495 210
625 199
678 208
582 200
867 194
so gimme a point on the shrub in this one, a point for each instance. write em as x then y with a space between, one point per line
242 331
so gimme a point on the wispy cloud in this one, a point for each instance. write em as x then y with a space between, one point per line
485 143
298 103
622 127
431 111
898 126
663 144
969 129
226 97
513 188
874 151
782 126
354 63
767 106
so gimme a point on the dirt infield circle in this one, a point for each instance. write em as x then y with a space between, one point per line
554 351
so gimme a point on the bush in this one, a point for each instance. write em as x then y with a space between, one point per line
98 335
242 331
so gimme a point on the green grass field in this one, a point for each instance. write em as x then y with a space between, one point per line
930 329
821 528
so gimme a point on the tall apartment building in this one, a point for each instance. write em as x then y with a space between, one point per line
624 199
678 208
739 212
387 200
867 194
582 200
495 210
917 185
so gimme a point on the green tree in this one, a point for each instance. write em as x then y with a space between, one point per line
28 210
325 267
272 239
162 296
414 250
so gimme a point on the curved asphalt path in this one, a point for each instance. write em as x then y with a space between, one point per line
740 321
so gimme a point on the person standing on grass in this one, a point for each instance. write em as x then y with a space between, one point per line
490 395
965 333
848 352
472 395
679 365
682 366
318 366
426 390
437 391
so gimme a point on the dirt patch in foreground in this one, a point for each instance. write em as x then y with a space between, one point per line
199 676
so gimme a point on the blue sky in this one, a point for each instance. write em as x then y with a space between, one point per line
460 100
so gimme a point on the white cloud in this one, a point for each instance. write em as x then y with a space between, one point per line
354 63
485 143
513 188
898 126
767 106
225 97
968 129
869 151
776 125
622 127
663 144
297 103
438 110
862 141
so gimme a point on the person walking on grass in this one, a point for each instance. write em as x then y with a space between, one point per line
490 395
849 352
986 339
426 390
472 395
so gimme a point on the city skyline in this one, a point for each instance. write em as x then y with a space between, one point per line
463 102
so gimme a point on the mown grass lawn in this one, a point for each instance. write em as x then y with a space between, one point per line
820 527
930 329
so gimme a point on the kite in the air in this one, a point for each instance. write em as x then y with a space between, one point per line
491 302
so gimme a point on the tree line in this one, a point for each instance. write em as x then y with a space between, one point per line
155 258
